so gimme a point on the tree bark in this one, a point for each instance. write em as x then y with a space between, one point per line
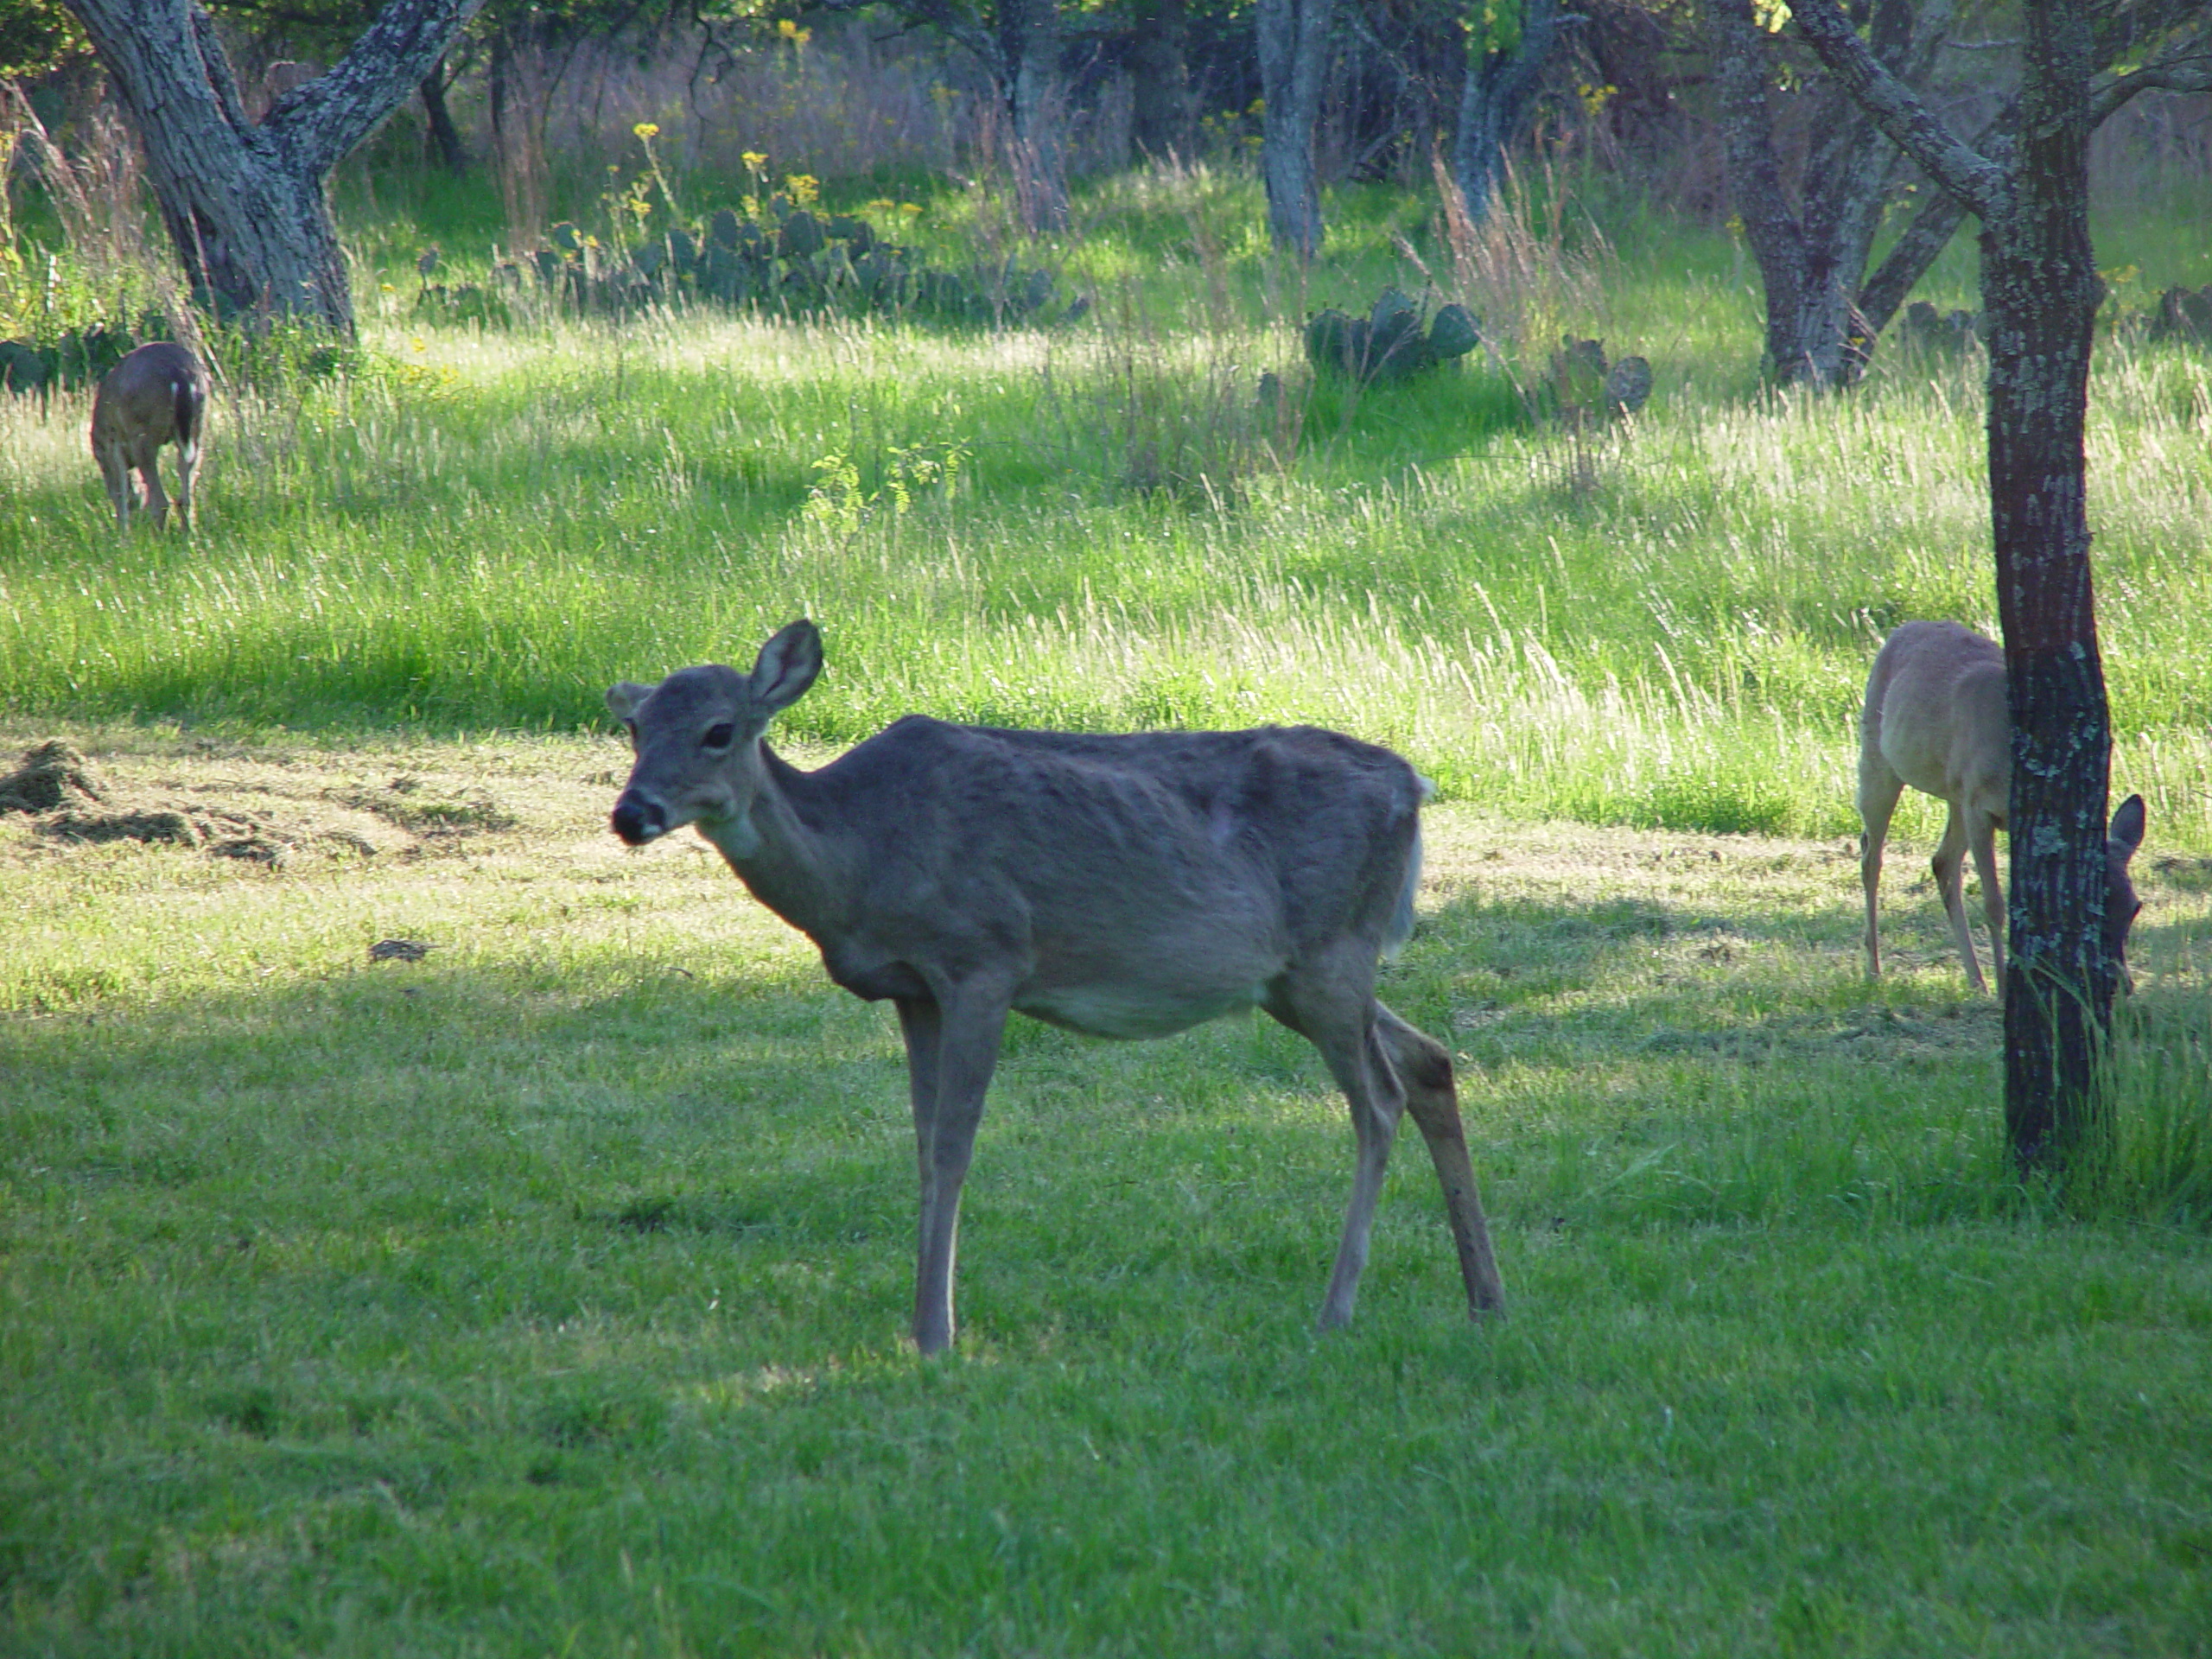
244 201
1295 44
1494 101
1813 256
2040 293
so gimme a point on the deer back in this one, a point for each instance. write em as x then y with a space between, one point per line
1128 885
1936 711
156 394
1124 885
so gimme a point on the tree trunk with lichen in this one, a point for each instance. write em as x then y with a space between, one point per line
1813 252
2040 294
244 200
1030 34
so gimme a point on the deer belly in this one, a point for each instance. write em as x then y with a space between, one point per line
1134 1011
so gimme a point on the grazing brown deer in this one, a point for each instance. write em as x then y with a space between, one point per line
157 395
1936 719
1125 887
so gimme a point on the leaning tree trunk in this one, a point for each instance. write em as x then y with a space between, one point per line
1494 101
443 137
1915 253
2040 293
244 200
1294 67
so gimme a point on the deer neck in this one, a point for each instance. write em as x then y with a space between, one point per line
779 852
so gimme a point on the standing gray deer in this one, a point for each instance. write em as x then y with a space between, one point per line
157 395
1127 886
1936 719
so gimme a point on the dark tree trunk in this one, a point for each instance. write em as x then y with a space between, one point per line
1813 255
1501 83
244 200
1164 120
1294 45
2040 293
445 145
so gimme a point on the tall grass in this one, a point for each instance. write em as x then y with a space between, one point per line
484 528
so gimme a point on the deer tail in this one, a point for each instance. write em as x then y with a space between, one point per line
187 406
1402 919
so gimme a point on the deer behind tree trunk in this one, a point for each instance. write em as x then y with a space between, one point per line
1937 720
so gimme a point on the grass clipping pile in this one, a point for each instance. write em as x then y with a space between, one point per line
68 801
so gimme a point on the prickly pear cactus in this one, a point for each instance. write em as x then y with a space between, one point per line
1389 343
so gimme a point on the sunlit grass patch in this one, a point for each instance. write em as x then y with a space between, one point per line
596 1220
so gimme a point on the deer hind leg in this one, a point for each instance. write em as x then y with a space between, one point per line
1423 1067
1331 1013
187 462
950 1058
1878 789
1949 867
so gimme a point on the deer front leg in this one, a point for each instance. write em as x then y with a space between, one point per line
1993 898
187 462
1372 1092
951 1053
1329 1010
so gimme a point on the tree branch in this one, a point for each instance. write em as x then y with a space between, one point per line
1909 124
215 65
2185 67
947 20
1928 235
322 121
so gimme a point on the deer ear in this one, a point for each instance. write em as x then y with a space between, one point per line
2127 827
622 700
787 666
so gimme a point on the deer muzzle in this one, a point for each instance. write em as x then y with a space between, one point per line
637 819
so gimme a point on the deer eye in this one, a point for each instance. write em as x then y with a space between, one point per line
719 737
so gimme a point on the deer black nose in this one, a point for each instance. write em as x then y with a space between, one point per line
637 821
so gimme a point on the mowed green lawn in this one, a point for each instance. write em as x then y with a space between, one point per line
546 1294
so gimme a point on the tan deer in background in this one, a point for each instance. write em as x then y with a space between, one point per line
1125 887
1936 719
157 395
